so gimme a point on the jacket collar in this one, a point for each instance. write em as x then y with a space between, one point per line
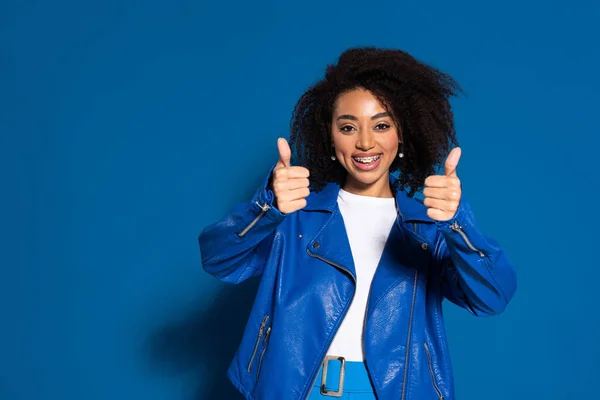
409 209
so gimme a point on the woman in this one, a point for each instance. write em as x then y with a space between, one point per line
354 268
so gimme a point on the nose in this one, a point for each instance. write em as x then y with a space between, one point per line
366 141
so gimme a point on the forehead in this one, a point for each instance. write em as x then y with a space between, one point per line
358 102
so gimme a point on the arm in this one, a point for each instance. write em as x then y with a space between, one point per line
476 273
236 248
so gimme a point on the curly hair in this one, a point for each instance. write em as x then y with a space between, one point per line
415 94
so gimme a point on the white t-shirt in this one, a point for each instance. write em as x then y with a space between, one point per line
368 221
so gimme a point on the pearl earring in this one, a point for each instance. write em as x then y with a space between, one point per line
401 153
332 158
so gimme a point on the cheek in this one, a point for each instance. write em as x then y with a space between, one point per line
342 144
391 144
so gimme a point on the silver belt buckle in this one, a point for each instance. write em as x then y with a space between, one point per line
331 393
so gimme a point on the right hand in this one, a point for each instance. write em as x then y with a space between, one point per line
290 184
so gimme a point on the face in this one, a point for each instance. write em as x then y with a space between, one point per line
365 138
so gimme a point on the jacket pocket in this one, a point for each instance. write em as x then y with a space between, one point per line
430 365
263 210
262 353
261 332
457 228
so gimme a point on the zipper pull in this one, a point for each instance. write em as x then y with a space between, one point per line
261 331
457 228
264 207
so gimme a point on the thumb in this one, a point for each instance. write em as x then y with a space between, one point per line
285 153
452 162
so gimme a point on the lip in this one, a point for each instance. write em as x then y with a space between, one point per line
366 167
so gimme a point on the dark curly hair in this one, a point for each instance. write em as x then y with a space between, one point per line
415 94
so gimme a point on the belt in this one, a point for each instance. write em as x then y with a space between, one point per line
339 376
342 375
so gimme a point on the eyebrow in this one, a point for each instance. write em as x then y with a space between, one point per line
353 118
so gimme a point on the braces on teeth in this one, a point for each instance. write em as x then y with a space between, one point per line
367 159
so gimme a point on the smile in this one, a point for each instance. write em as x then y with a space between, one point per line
367 160
368 163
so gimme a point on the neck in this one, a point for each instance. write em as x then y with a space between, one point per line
380 188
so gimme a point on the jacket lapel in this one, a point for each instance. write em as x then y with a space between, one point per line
331 244
410 209
402 249
398 264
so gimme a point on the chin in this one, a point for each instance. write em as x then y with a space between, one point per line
367 178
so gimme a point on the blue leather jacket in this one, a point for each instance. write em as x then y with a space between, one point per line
308 282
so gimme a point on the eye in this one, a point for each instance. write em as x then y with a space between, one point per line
347 128
382 126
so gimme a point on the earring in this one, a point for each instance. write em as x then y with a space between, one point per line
332 153
401 153
332 158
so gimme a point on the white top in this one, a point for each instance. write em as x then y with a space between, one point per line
368 221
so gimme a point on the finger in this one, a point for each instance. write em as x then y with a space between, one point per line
442 181
291 206
283 176
298 183
438 215
285 153
281 187
297 172
300 193
436 181
443 205
452 162
442 193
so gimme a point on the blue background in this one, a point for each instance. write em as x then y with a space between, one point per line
127 126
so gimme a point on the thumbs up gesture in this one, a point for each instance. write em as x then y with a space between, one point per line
290 184
443 192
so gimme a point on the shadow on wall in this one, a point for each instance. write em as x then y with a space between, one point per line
200 346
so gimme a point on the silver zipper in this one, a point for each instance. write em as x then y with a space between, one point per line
322 356
429 362
262 353
365 326
264 208
412 308
410 319
457 228
261 331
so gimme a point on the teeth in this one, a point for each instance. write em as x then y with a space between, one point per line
366 160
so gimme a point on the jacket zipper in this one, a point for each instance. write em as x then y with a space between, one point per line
261 331
410 319
365 328
322 356
457 228
367 310
264 208
429 362
262 353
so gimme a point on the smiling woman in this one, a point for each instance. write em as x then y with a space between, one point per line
365 139
415 95
353 268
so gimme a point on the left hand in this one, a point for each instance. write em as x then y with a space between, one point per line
443 192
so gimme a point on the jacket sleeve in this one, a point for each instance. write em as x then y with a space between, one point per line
476 273
236 248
